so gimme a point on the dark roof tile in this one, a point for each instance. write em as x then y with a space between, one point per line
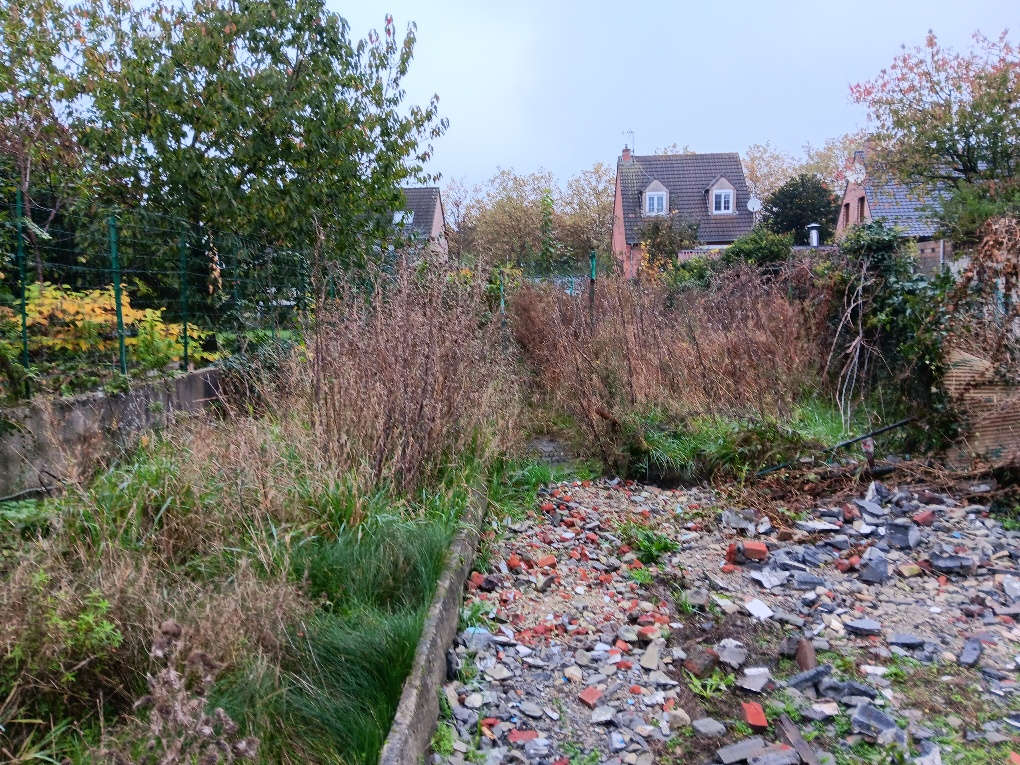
421 202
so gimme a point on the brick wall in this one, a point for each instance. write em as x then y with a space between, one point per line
992 408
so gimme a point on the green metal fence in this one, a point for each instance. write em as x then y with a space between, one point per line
97 297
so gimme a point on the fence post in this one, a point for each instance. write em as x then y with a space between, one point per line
236 268
22 281
591 290
115 264
182 276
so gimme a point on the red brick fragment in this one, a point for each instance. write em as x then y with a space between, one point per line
590 696
924 517
755 550
729 568
754 715
515 736
546 561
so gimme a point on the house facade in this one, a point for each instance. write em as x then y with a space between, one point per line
706 189
423 220
909 209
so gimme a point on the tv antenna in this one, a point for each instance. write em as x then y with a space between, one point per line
631 134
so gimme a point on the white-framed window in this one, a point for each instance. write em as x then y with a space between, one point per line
655 203
722 201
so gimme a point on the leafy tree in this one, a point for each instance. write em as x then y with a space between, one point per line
893 326
502 221
282 126
663 236
965 210
587 212
760 246
800 201
942 116
766 168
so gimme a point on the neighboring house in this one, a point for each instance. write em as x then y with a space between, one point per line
869 197
423 219
708 189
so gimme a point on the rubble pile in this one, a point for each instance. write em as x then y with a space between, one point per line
622 623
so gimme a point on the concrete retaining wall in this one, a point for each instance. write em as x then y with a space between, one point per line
415 721
49 441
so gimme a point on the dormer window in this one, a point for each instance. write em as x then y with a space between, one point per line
722 201
655 203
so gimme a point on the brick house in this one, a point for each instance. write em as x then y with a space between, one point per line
910 209
707 189
423 219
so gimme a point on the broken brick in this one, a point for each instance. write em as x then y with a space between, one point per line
755 550
701 661
515 736
590 696
546 562
754 715
924 517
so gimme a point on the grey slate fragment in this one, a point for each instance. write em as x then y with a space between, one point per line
970 653
741 750
809 677
871 721
769 577
864 627
874 566
905 640
902 533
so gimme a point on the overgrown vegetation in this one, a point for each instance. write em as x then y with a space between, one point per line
296 544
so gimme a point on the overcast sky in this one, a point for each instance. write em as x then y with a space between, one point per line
554 84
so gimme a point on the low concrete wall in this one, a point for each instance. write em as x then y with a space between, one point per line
415 720
52 440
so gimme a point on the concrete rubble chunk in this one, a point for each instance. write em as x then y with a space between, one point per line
776 754
754 679
708 727
731 652
758 609
650 658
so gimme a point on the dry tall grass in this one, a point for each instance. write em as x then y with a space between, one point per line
414 374
746 345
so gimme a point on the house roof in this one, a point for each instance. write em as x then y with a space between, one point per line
909 208
420 202
687 177
902 206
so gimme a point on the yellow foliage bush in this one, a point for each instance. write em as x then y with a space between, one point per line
67 323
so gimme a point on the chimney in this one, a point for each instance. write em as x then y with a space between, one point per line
626 154
813 233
